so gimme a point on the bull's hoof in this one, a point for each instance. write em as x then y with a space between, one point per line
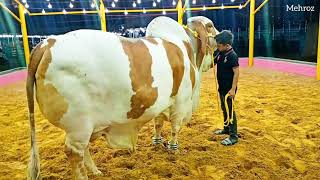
173 147
157 141
97 173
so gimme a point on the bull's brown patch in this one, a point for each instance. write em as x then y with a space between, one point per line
151 40
141 78
192 75
202 41
52 105
188 46
199 58
175 57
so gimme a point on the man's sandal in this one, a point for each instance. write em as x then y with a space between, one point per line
229 141
220 132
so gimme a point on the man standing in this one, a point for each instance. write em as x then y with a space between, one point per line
227 75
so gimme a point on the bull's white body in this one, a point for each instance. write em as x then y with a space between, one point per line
88 83
90 70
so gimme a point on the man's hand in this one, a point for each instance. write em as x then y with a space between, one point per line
232 92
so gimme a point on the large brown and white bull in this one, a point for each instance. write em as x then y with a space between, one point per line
91 83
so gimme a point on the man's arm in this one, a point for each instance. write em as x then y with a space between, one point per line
236 72
216 54
235 77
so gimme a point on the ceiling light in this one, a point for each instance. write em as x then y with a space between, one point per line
204 8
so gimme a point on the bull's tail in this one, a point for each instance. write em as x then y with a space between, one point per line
34 164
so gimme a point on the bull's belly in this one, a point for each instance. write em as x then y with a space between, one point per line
79 102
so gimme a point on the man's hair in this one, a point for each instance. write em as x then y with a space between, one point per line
224 37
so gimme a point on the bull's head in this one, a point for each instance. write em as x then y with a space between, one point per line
202 32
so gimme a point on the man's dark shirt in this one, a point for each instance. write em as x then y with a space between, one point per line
225 61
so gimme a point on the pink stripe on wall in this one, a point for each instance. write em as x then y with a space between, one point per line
283 66
13 77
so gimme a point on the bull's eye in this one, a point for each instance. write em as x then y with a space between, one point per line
210 29
209 26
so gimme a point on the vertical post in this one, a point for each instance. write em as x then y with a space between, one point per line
24 33
180 12
318 62
251 32
102 12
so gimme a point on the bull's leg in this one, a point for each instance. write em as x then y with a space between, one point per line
176 121
75 146
158 124
89 163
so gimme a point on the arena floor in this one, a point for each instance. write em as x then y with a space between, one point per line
279 124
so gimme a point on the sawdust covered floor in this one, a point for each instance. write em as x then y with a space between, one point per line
279 123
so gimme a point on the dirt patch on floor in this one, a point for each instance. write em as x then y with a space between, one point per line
279 124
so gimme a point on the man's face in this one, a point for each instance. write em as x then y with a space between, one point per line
222 47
